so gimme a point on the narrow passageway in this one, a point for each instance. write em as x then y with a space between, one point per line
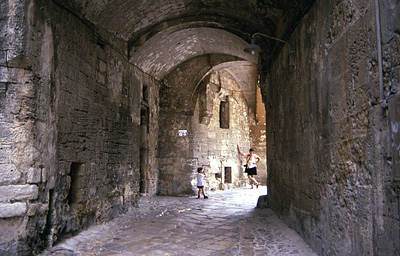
225 224
102 102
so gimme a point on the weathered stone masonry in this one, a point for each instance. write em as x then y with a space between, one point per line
330 165
186 105
93 94
80 128
214 147
71 116
25 176
101 95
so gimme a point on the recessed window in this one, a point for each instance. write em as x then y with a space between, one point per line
224 114
228 175
145 93
76 191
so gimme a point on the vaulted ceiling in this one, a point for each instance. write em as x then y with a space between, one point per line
161 35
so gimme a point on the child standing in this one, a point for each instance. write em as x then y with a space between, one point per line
200 181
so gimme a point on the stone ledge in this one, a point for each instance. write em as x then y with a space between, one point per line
18 192
12 210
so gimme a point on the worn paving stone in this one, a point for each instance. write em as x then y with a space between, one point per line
225 224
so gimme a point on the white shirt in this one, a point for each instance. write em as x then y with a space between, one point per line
251 160
200 179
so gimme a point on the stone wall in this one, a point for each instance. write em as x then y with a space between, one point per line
102 101
71 111
328 139
176 108
213 147
27 126
196 108
259 139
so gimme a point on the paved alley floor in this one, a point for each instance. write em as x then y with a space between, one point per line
227 223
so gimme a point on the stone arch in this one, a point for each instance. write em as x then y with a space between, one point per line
214 147
198 80
165 51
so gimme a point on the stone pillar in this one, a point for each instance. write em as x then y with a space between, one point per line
26 125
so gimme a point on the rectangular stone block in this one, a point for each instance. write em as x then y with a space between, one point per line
18 192
34 175
4 75
12 210
9 174
34 209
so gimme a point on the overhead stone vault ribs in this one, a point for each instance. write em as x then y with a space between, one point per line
188 28
105 105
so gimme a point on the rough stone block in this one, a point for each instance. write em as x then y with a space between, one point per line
9 174
44 175
37 208
18 192
12 210
34 175
223 186
262 201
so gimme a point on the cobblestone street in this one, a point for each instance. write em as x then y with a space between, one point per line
225 224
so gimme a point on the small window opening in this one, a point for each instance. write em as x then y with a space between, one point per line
144 119
125 90
224 114
228 174
145 93
76 192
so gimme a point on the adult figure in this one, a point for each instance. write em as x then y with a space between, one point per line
251 165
